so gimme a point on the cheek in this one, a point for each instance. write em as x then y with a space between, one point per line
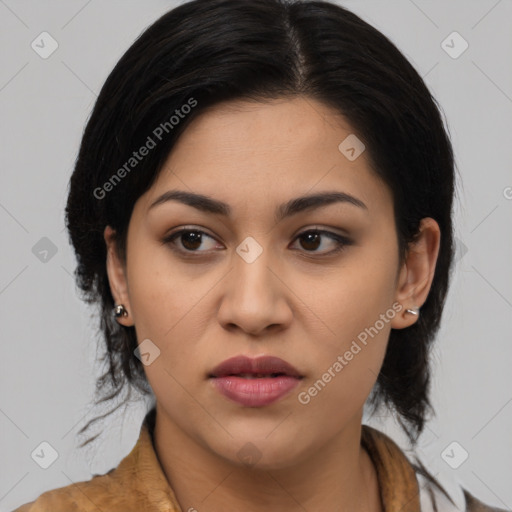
351 298
160 295
356 312
347 367
171 310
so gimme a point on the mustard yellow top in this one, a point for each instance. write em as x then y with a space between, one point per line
138 483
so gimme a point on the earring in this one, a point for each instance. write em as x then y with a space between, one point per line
415 311
120 310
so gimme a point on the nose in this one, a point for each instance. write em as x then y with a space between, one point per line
256 296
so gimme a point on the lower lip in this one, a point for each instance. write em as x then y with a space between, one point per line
255 392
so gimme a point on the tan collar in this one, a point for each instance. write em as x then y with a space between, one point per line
141 472
398 485
397 480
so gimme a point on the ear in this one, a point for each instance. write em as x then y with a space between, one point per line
117 277
417 272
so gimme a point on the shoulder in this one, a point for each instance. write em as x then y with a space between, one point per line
448 496
475 505
401 471
102 492
137 483
25 508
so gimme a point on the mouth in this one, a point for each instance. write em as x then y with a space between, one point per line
246 367
252 375
255 382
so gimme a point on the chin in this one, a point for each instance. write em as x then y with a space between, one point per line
257 453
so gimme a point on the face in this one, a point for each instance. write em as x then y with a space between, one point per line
319 287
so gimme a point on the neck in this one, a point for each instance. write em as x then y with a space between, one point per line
339 476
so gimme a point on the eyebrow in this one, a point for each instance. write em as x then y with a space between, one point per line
291 207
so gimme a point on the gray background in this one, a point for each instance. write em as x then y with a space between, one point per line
49 336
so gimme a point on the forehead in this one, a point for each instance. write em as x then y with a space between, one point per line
270 151
293 125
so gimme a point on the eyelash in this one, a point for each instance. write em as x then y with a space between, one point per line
342 241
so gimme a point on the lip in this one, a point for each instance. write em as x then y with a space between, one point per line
263 365
230 380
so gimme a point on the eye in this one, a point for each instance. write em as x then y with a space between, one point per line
313 239
192 239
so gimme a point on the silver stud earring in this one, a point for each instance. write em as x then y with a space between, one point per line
120 310
415 311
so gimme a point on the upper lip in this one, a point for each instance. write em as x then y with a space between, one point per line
262 365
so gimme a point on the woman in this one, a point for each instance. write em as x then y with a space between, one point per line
262 209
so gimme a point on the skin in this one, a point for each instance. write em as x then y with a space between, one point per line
291 302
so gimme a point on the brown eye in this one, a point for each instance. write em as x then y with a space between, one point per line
311 240
190 240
